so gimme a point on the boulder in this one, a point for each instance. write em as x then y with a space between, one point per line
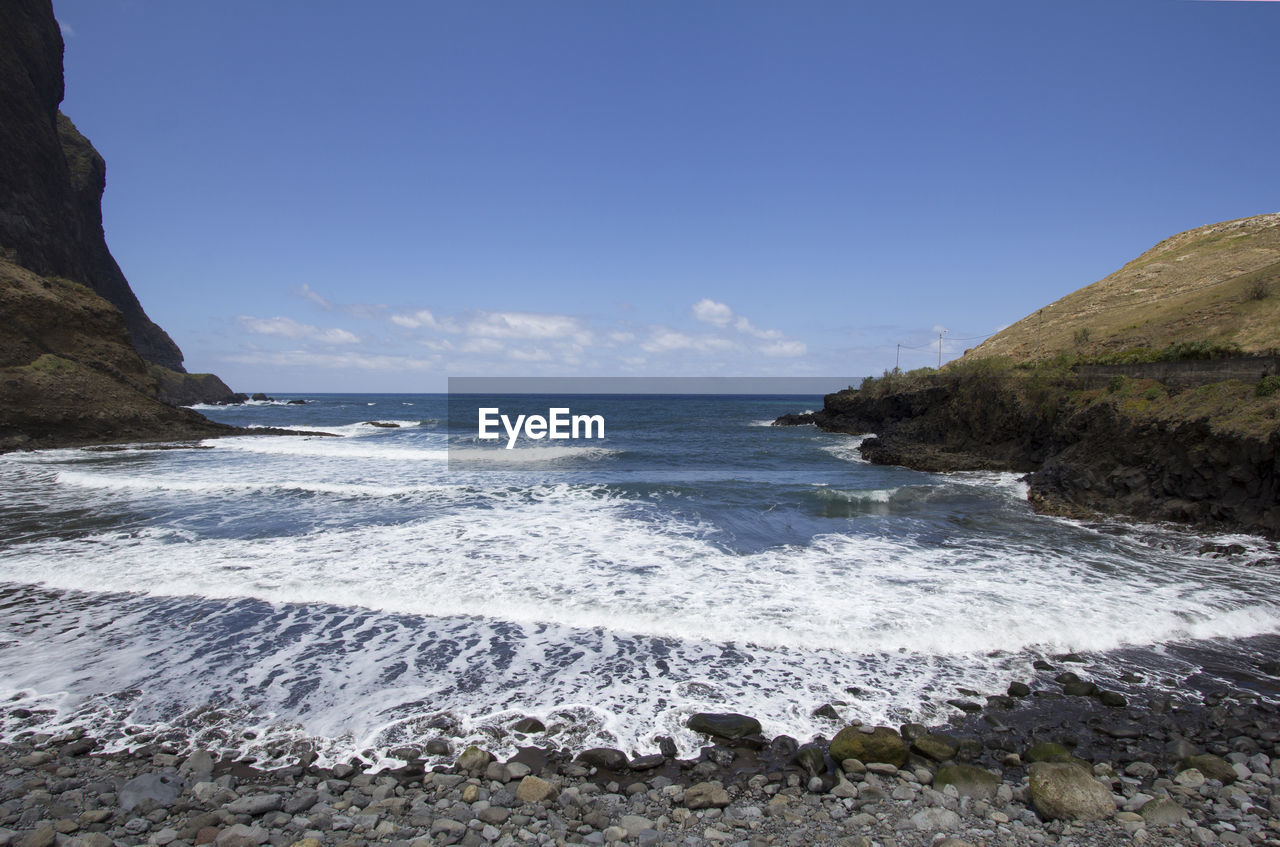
936 819
882 744
811 759
533 790
1213 767
474 760
1047 751
726 725
528 726
936 747
256 804
1065 791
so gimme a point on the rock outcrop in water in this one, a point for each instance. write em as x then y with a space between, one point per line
1208 456
60 282
1121 426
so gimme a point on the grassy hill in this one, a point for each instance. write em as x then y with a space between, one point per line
1216 285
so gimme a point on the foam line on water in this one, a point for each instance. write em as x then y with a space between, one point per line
847 448
572 557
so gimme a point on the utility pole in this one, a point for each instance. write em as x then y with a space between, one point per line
897 357
940 350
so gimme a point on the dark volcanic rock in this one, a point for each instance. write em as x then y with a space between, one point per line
66 377
724 725
51 178
1085 458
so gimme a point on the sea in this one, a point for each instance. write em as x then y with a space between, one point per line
396 580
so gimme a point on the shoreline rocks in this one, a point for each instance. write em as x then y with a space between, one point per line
1045 768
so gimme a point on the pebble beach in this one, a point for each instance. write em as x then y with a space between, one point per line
1055 761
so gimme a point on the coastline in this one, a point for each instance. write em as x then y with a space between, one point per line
970 780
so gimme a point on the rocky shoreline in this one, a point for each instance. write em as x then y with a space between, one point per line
1055 761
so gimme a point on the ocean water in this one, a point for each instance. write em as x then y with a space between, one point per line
386 586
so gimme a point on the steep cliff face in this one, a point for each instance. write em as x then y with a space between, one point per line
69 374
51 185
51 178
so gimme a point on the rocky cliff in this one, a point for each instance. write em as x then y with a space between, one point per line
69 374
1208 456
51 185
1162 438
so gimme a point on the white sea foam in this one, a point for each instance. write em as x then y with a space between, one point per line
427 594
847 448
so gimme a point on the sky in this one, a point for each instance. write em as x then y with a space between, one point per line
313 195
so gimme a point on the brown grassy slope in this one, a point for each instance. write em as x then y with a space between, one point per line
69 374
1200 285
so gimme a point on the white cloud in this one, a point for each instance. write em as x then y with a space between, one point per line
482 345
744 325
423 319
710 312
665 340
538 355
530 325
339 361
67 31
289 328
622 337
309 294
785 348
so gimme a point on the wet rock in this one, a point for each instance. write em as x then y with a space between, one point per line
1079 689
1114 699
810 759
726 725
968 781
647 763
966 706
939 748
474 760
1047 751
827 711
667 746
1019 689
528 726
881 744
604 757
1062 791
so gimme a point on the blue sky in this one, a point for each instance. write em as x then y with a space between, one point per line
328 196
